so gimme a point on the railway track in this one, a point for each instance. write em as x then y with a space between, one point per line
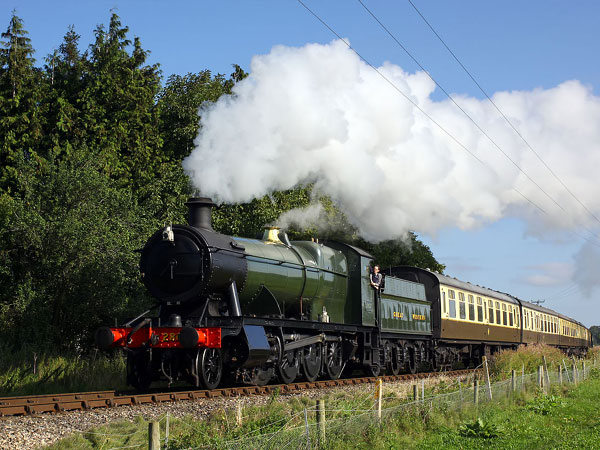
56 403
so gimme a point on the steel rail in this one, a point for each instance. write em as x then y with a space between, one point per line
56 403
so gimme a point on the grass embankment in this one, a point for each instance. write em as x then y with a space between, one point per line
26 373
565 417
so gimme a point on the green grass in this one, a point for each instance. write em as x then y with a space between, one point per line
569 422
26 373
567 417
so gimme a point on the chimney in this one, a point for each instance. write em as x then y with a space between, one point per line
200 212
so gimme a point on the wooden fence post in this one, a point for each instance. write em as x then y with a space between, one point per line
154 436
476 391
540 377
238 413
547 375
513 381
321 421
487 376
379 397
415 393
560 376
167 431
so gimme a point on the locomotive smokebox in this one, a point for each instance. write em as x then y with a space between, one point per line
200 212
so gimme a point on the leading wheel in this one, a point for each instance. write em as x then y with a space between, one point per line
334 360
210 367
311 361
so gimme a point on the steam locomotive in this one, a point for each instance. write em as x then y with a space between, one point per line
257 310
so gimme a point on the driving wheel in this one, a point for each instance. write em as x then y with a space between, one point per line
311 361
334 360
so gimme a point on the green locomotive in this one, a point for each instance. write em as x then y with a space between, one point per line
255 310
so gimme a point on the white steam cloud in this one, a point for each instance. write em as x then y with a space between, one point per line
319 114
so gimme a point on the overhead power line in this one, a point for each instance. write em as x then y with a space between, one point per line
458 106
502 114
392 84
475 123
396 88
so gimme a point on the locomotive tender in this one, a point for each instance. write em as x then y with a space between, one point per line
251 311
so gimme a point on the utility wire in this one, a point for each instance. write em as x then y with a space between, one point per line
458 106
473 120
426 114
501 113
392 84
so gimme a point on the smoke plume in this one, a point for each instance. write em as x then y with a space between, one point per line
319 114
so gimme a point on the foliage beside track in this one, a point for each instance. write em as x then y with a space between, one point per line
527 356
29 373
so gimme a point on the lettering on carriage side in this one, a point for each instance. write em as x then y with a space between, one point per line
398 315
418 317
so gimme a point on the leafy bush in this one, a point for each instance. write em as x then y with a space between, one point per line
479 429
594 373
594 353
545 404
530 356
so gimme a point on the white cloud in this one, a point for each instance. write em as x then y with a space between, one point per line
548 274
319 114
587 265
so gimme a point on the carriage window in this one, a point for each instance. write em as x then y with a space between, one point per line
480 309
504 321
462 309
498 313
451 303
517 317
444 301
471 308
511 314
491 312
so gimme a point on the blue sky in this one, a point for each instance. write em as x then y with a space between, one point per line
508 46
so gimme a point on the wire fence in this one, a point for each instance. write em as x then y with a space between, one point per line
311 427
